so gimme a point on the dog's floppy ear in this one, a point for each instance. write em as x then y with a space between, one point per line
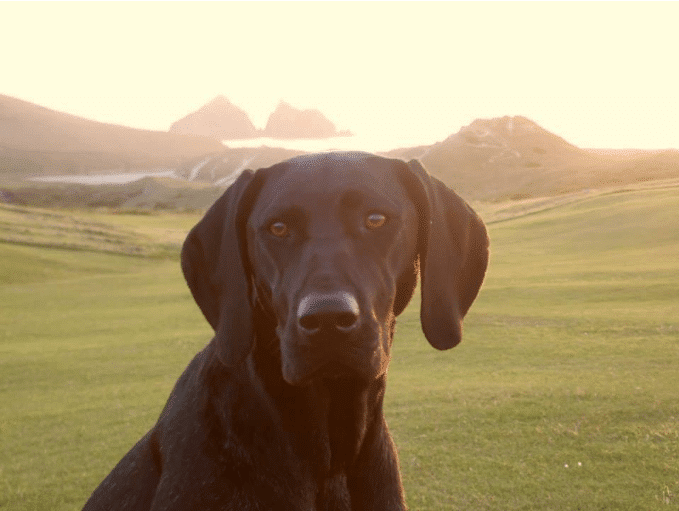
453 249
213 268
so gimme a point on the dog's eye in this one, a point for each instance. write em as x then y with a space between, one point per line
279 229
375 220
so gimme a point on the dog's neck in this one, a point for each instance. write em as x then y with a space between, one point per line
328 418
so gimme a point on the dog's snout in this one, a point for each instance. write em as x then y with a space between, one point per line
327 312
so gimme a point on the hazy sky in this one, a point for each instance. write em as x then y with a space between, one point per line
597 74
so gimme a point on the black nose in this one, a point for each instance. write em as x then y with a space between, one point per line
328 312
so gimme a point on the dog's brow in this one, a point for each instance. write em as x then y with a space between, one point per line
290 213
351 199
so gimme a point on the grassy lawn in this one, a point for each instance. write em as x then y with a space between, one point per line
562 396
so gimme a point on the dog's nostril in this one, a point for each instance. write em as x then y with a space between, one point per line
310 323
345 319
338 311
341 321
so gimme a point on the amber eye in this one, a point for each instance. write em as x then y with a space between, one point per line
375 220
278 229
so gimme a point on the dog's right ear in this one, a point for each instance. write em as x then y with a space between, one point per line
213 269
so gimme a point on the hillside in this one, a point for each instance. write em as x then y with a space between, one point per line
513 157
37 140
489 160
222 168
508 158
565 382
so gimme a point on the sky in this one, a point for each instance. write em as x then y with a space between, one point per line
600 75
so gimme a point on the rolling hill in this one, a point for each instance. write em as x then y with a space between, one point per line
37 140
514 158
508 158
569 358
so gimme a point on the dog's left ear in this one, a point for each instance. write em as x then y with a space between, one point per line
453 248
213 267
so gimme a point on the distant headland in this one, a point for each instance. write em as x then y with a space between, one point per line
222 120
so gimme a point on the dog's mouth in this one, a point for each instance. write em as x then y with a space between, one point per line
330 373
334 371
332 356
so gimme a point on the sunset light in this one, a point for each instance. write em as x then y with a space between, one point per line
599 74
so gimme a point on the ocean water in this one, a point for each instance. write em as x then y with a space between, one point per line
373 143
102 179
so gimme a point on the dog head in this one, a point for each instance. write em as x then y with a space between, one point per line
330 245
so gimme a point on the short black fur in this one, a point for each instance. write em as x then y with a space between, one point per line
272 414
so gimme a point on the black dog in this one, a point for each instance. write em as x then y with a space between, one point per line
301 269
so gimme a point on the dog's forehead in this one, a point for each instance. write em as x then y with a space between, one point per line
304 178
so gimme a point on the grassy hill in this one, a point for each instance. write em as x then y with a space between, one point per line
514 158
561 396
150 235
148 194
489 160
37 140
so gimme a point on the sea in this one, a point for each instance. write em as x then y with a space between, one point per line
345 143
372 143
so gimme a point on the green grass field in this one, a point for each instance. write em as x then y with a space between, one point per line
564 394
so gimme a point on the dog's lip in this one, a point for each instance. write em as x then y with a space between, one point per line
328 372
308 359
336 371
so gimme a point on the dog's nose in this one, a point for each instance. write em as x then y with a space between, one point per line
327 312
